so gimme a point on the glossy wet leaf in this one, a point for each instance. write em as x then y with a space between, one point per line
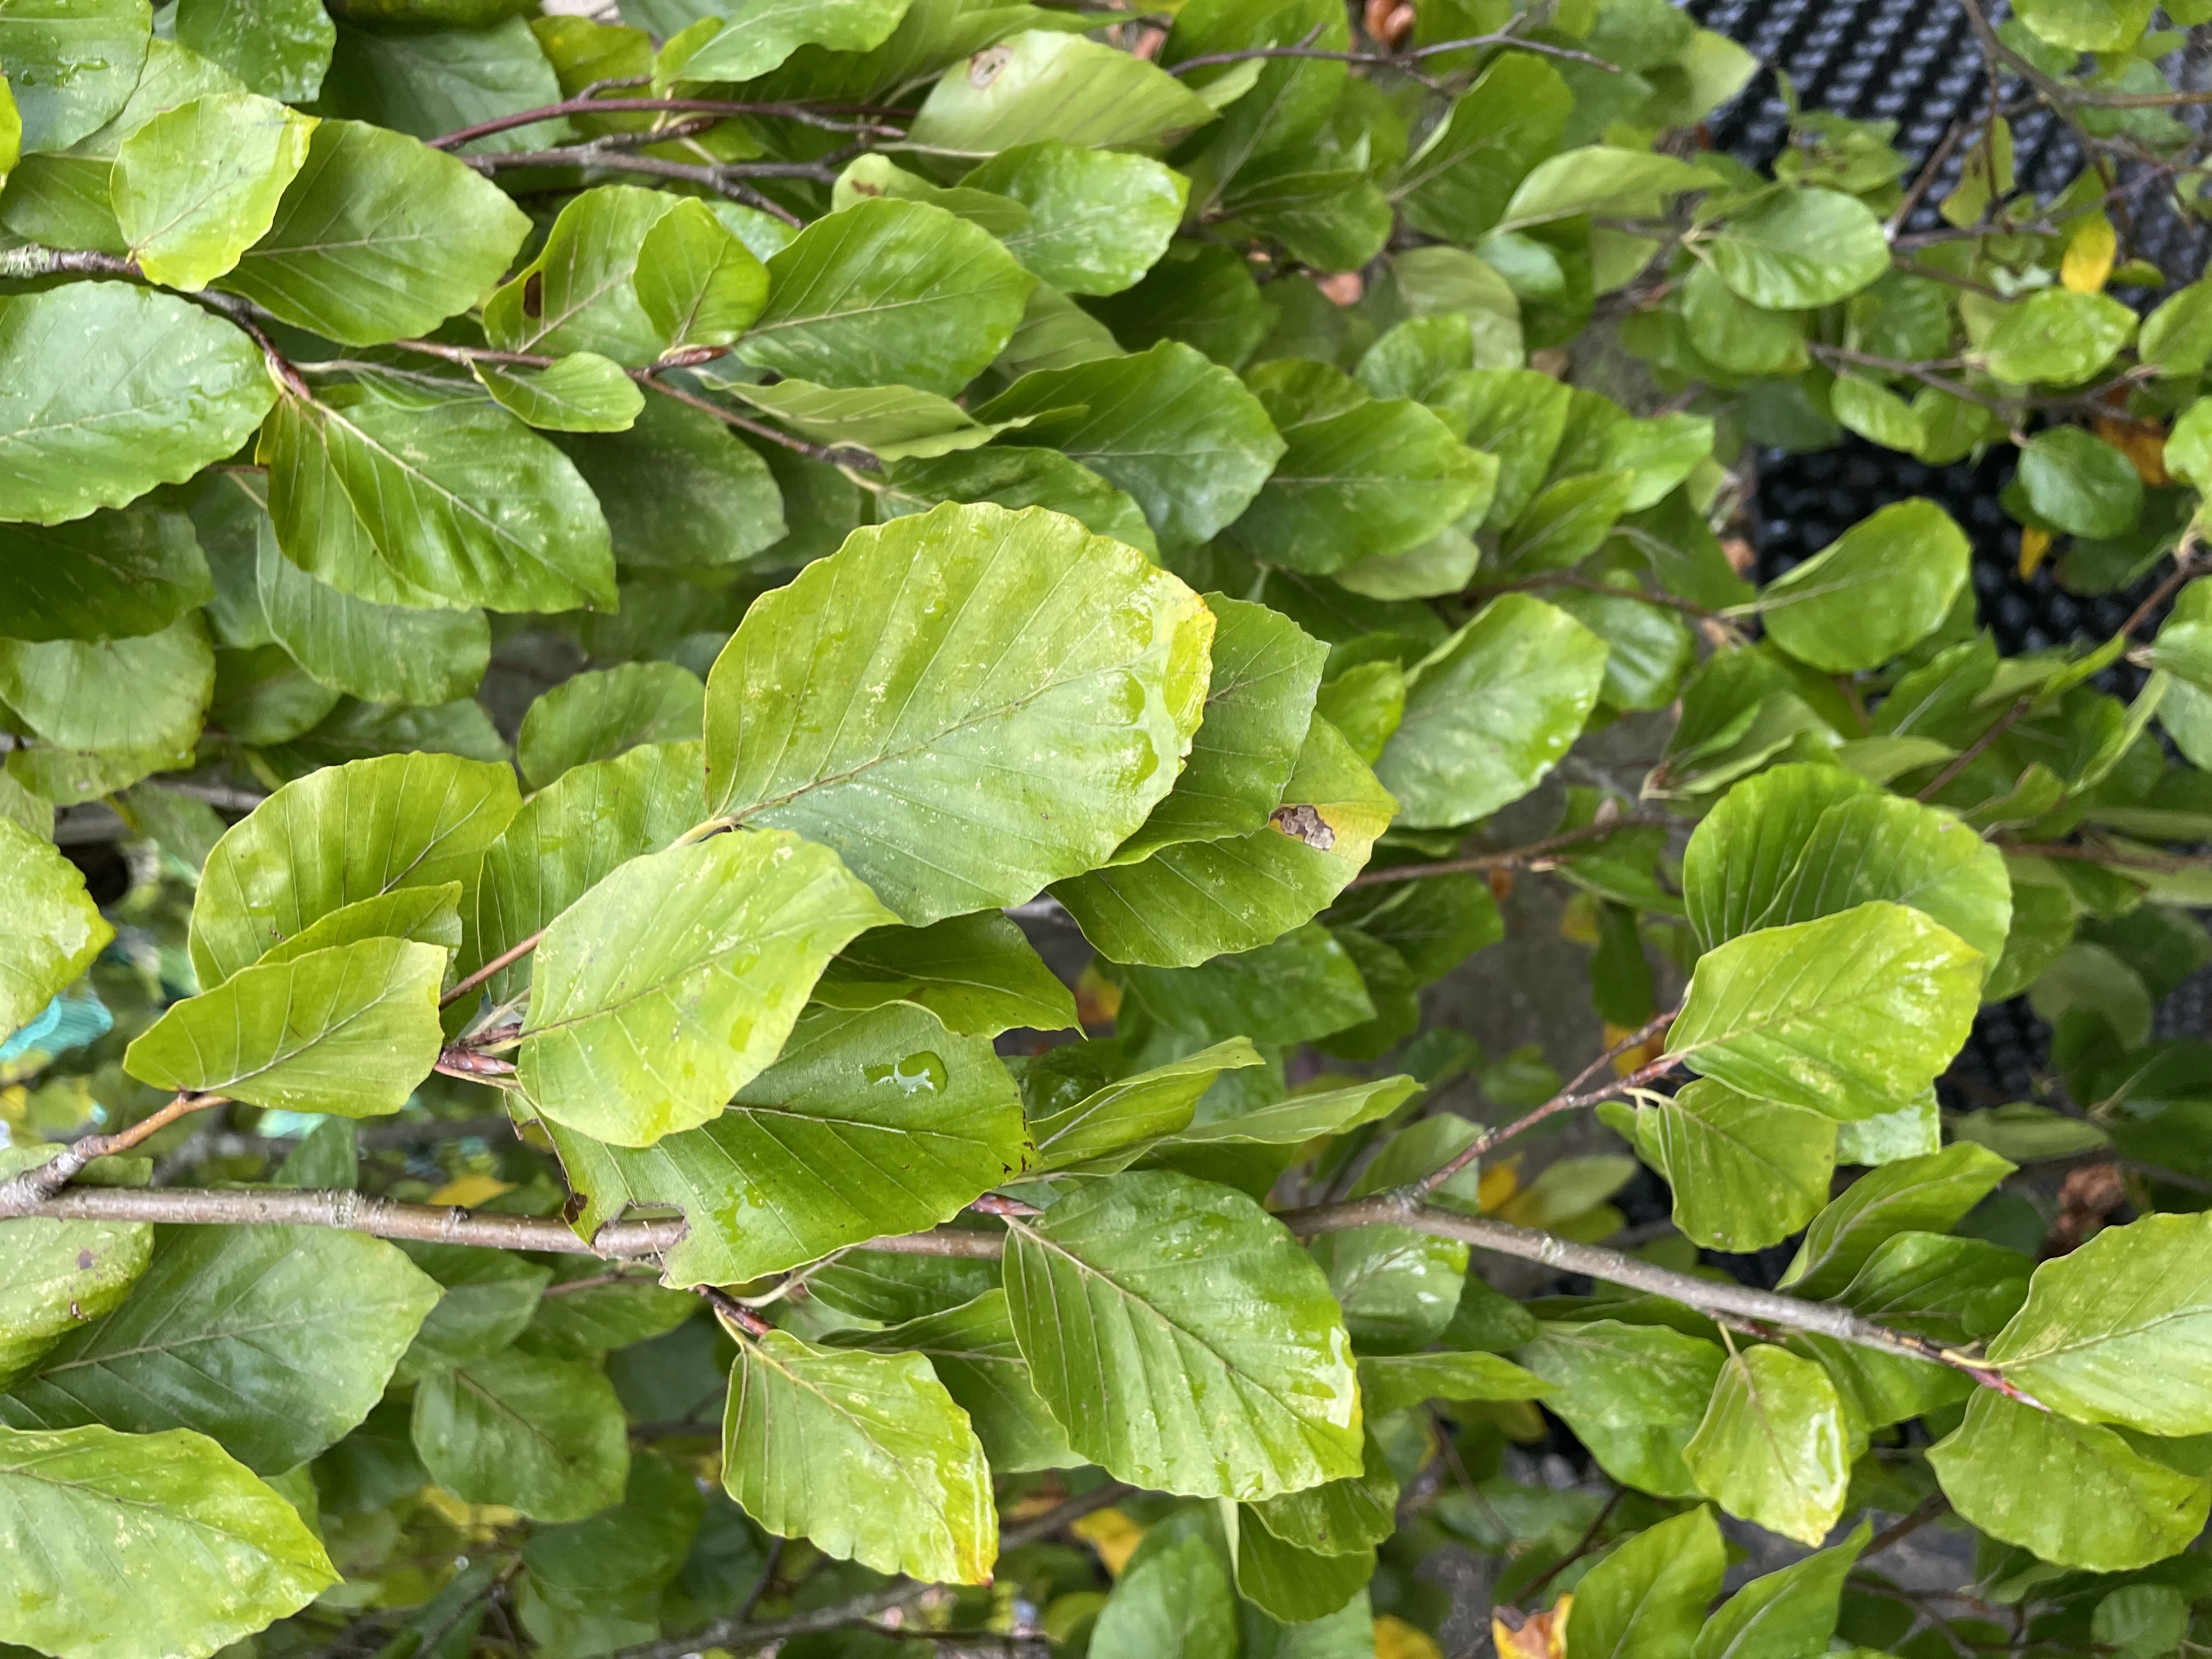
336 837
1747 1173
349 1030
1391 1382
1007 636
1043 85
275 1341
1916 1195
1774 1448
1882 585
1490 711
545 1436
1098 218
597 715
1158 1289
70 66
581 393
280 48
107 389
763 36
696 282
1648 1598
1799 249
1848 1015
863 1454
378 237
676 979
873 1122
113 575
1129 1112
580 293
54 1275
50 929
198 185
2056 337
977 974
145 1547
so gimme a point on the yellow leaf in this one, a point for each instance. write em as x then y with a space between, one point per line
1578 920
478 1519
469 1189
1540 1636
1396 1640
2142 442
2088 258
1097 999
2033 545
1629 1058
1498 1183
1112 1535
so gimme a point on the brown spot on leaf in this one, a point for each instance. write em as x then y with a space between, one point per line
534 295
862 187
983 68
573 1206
84 1260
1303 823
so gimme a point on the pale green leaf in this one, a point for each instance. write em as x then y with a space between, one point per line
2056 337
274 1340
1391 1382
1044 84
50 929
873 1122
697 283
1913 1194
1798 249
54 1275
199 184
1848 1015
1648 1598
1099 219
1183 1340
598 714
1600 179
456 504
578 295
378 237
336 837
1490 711
887 290
106 390
676 979
113 575
148 693
761 37
1746 1172
145 1546
1299 1118
582 392
2094 1501
875 705
2120 1331
1884 585
351 1029
1775 1446
545 1436
977 974
277 47
1125 1114
1790 1612
893 422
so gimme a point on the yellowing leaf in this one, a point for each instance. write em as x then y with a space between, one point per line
471 1189
1542 1635
1112 1535
2033 545
2088 259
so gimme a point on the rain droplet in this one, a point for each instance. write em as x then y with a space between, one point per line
922 1074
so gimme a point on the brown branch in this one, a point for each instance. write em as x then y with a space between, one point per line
2173 864
721 106
505 958
1833 354
1974 750
1929 169
738 1636
44 1180
1399 59
1511 857
1934 1507
1054 1520
2185 567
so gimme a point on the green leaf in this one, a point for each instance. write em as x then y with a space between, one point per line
2087 25
378 237
1516 415
582 392
1127 1114
1195 899
865 1456
597 715
1043 84
545 1436
1601 179
1490 711
1099 219
1457 185
279 48
1633 1394
148 693
977 974
1299 1118
1646 1600
972 1350
1286 1580
567 839
1929 1194
2122 1508
1374 479
351 1029
339 837
1800 248
70 64
580 294
50 929
893 423
456 504
2118 1330
54 1275
2078 483
872 739
887 290
145 1545
1181 434
1790 1612
1849 1015
489 1296
2056 337
106 390
1882 585
199 184
1391 1382
698 284
630 1551
1018 477
1398 1287
431 81
1747 1173
675 980
1146 1303
1304 984
113 575
381 653
1774 1448
1566 523
274 1340
762 36
1175 1603
680 493
873 1122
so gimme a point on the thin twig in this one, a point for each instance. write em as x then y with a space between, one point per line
1398 59
1529 1591
44 1180
505 958
1974 750
1934 1507
721 107
1511 857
